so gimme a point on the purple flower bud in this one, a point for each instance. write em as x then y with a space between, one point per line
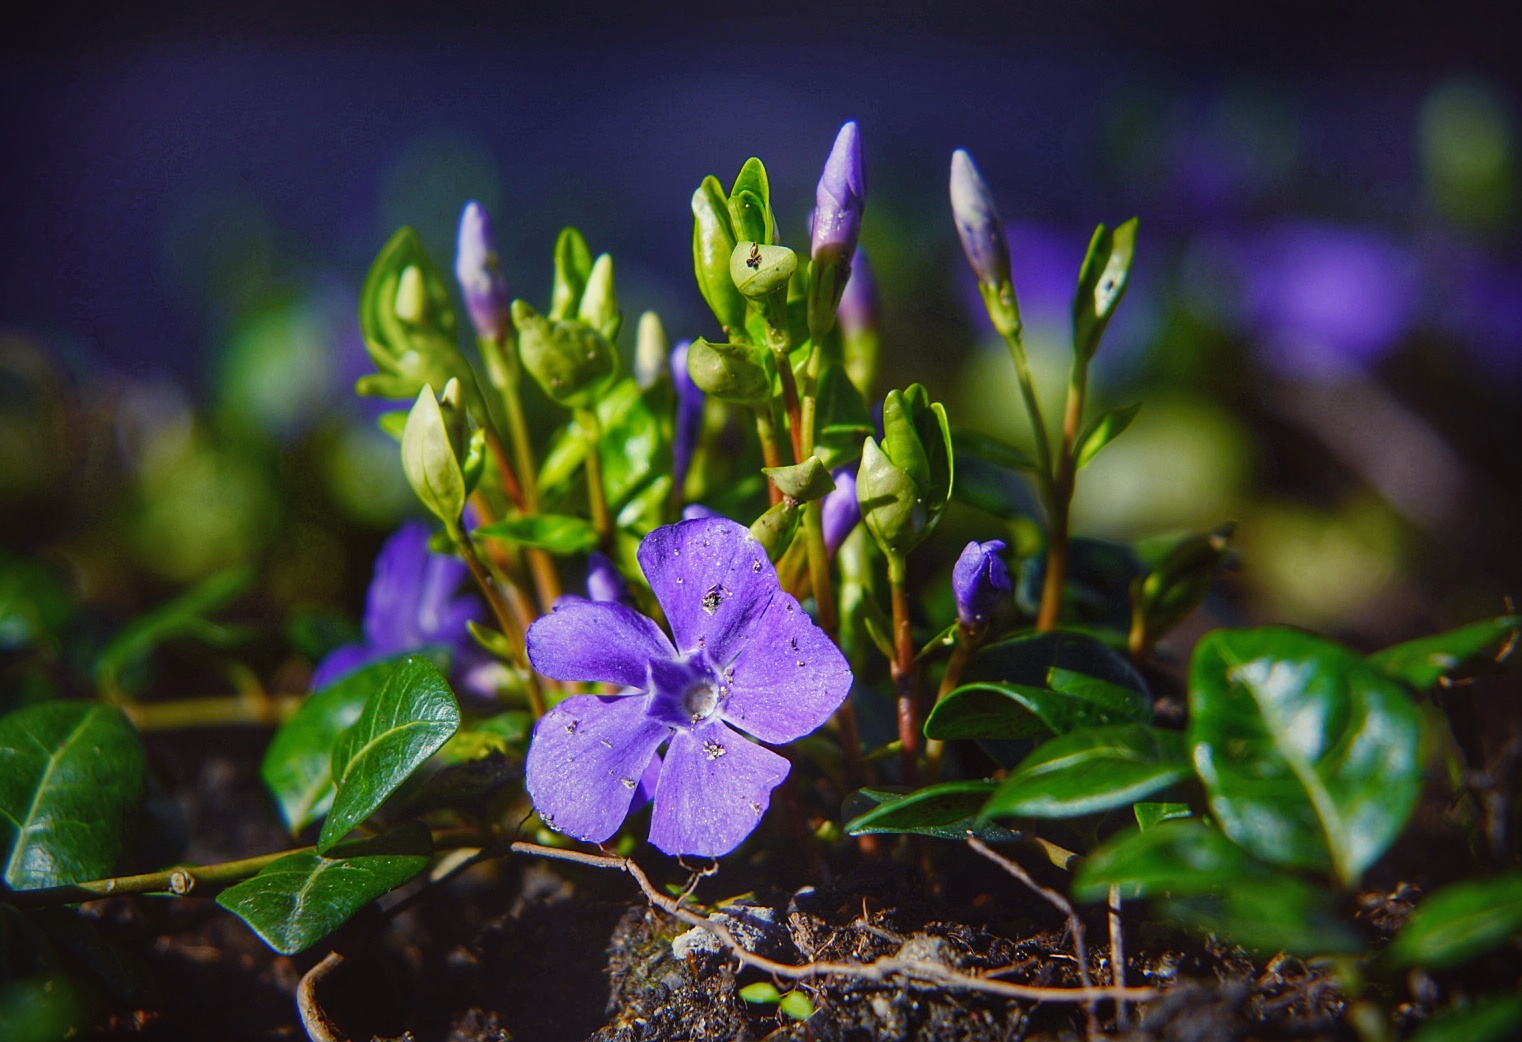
689 417
979 579
605 582
697 511
840 198
858 313
480 274
978 223
840 511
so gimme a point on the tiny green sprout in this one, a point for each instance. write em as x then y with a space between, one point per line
761 993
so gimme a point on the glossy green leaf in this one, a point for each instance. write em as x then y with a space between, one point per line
299 899
946 811
1151 814
298 764
713 240
1490 1018
1102 430
71 774
1091 770
1212 884
1459 922
556 533
184 617
1467 651
401 726
1054 683
1308 754
1180 857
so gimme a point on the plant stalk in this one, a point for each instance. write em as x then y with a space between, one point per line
904 675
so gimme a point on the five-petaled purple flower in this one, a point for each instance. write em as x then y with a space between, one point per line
414 603
979 579
743 656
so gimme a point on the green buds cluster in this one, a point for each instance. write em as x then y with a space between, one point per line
903 484
441 456
737 373
1101 283
408 323
733 251
570 359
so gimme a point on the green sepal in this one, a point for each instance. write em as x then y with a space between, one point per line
804 481
713 241
775 529
570 361
573 266
429 461
1102 430
296 901
750 203
891 505
417 345
402 725
1101 283
948 810
599 301
737 373
760 271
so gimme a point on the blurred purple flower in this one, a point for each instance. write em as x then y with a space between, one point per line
839 199
1325 300
978 223
413 603
745 656
605 582
859 308
689 417
840 512
979 579
480 273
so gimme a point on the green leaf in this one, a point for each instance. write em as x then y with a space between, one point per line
713 240
1181 857
556 533
1102 430
1309 755
796 1005
298 764
1490 1018
761 993
759 271
429 461
70 774
750 202
1460 922
976 445
1214 885
1467 651
1182 575
299 899
1101 283
402 726
1150 815
184 617
35 604
804 481
1055 682
946 811
1090 770
633 447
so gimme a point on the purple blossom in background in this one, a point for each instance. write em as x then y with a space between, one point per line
978 223
413 603
605 582
745 656
840 512
859 307
480 273
979 579
689 417
839 199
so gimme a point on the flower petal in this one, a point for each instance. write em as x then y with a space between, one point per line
714 787
713 581
397 589
586 760
340 662
596 640
789 678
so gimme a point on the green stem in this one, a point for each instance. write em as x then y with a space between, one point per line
771 455
1059 507
904 674
211 711
780 342
935 748
1033 407
506 621
597 493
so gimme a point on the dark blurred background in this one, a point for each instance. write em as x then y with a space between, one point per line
1325 321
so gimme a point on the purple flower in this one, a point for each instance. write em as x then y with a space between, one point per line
840 512
689 417
839 199
480 274
412 604
979 579
744 655
604 581
858 313
978 222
